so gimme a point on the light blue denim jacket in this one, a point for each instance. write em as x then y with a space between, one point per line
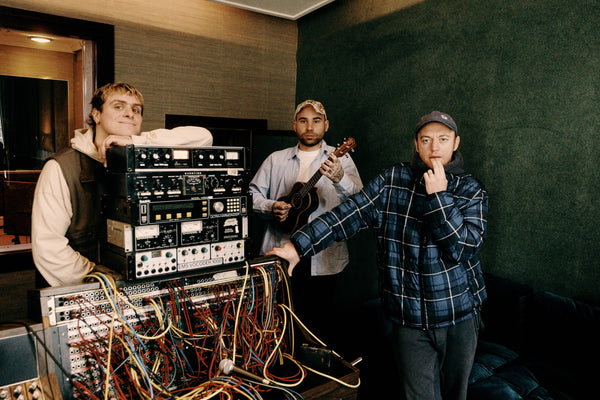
276 177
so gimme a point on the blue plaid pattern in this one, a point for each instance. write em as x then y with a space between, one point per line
429 272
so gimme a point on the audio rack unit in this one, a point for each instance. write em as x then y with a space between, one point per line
149 157
175 210
156 212
150 251
23 373
178 261
130 238
176 185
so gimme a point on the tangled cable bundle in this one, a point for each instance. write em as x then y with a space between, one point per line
172 350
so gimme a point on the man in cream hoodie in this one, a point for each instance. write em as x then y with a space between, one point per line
66 223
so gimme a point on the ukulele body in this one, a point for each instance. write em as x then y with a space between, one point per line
303 196
302 207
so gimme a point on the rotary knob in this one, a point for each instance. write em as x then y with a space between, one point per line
213 182
218 206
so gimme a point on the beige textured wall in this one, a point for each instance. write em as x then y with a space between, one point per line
195 57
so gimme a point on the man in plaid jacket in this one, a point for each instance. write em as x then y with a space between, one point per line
430 219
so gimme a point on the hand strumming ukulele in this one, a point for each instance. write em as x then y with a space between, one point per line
303 196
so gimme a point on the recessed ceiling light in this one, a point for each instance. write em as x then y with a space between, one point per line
40 39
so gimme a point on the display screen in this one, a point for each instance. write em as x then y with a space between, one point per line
181 154
232 155
146 232
172 206
191 227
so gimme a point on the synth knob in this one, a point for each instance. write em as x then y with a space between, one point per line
33 387
213 182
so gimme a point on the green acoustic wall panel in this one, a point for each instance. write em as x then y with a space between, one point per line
522 80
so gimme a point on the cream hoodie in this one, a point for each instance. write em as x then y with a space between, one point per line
51 213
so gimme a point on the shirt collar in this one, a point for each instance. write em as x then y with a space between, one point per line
296 149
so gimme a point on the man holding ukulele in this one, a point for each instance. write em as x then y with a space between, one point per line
314 288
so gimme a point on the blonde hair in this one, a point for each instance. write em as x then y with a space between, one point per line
104 92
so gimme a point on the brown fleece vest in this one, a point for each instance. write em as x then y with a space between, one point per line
86 179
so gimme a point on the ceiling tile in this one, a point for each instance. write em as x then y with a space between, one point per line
288 9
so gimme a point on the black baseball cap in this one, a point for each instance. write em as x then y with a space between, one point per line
436 116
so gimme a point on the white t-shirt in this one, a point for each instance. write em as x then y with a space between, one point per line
306 159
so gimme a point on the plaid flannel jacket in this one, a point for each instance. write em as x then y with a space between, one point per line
429 272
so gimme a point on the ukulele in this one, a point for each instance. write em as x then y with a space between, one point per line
303 196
